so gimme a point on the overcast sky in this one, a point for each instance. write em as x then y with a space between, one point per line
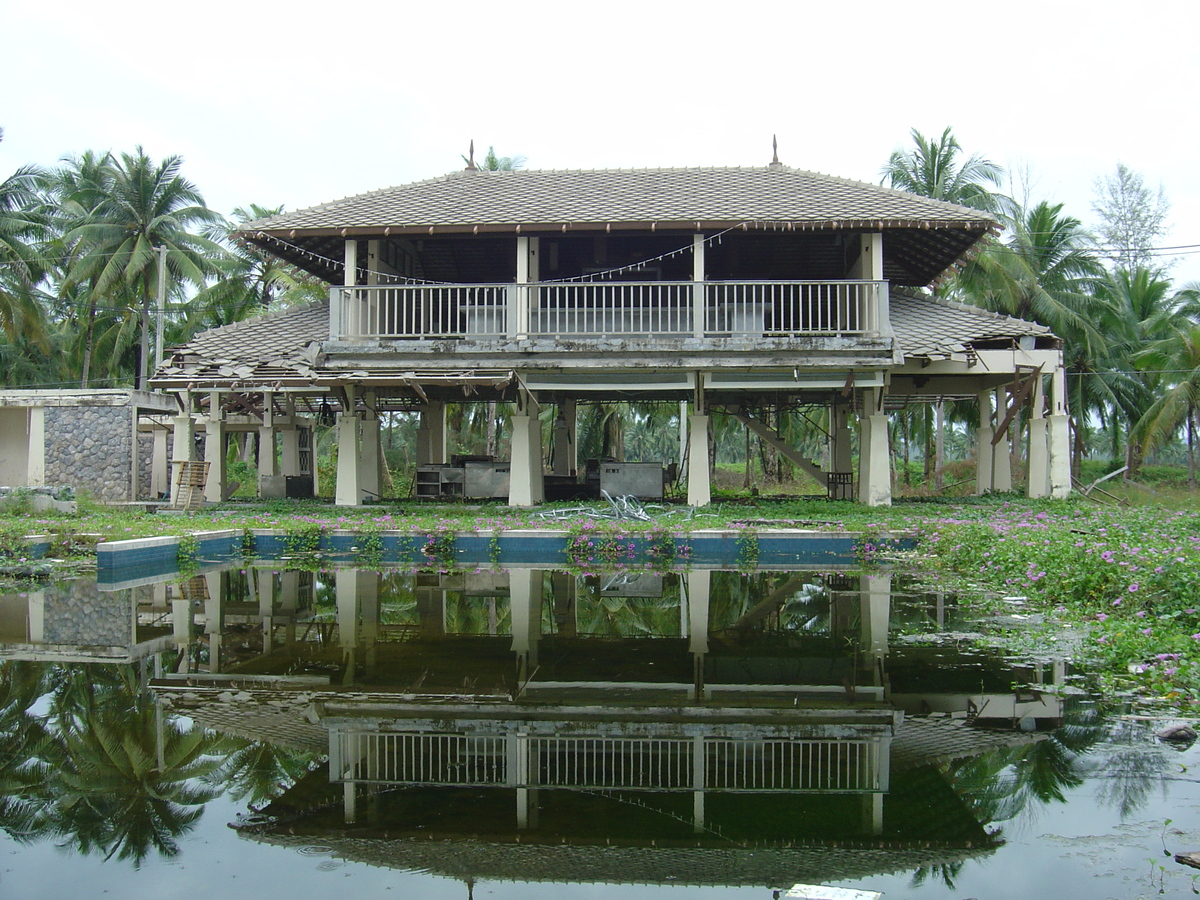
296 104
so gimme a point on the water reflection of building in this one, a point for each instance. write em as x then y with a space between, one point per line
750 723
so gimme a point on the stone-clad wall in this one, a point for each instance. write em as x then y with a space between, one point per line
145 449
78 612
89 448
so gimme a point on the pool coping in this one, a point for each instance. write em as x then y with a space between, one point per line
119 563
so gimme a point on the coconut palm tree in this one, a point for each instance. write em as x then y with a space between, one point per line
22 228
1177 353
145 206
934 168
1139 311
249 280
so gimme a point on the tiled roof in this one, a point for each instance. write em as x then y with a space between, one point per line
552 198
283 345
922 237
928 327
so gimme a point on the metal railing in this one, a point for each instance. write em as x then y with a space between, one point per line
610 763
715 309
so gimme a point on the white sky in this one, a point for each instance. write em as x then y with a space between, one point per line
297 104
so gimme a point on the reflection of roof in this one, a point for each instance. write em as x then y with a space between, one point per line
928 327
590 864
928 740
922 236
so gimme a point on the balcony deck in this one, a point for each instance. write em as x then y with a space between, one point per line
754 311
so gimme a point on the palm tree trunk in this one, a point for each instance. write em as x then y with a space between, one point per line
1191 431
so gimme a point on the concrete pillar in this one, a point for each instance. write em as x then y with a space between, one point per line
368 606
683 440
699 591
566 462
36 460
1002 451
371 452
525 595
214 620
875 474
349 489
526 485
1038 484
840 458
875 593
874 458
699 468
184 447
347 585
698 299
214 450
1058 436
431 434
983 445
289 451
160 467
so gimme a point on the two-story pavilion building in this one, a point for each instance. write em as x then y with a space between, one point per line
721 288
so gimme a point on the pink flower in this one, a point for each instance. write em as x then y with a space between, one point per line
1133 588
1100 617
1117 602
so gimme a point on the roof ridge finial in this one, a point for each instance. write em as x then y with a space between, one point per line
775 163
471 167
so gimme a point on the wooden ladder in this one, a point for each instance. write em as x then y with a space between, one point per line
190 478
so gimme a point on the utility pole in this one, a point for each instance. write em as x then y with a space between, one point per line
162 305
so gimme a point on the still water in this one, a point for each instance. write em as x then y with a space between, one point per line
270 733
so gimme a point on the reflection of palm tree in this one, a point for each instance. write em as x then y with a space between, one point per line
1003 785
257 771
112 794
24 745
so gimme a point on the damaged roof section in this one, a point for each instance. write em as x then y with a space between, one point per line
929 328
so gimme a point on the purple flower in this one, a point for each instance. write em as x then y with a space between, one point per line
1133 588
1101 617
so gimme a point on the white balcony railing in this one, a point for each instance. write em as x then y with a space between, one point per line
715 309
793 765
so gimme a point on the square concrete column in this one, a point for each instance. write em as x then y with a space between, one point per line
526 483
840 458
1038 483
699 476
874 461
1001 451
565 460
349 474
1039 461
431 434
1059 445
1058 437
183 446
160 468
268 462
214 455
983 445
372 458
289 451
